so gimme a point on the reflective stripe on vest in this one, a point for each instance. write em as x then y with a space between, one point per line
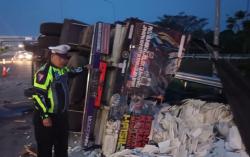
40 103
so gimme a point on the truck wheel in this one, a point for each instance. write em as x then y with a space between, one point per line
75 119
30 47
34 48
46 41
51 29
72 31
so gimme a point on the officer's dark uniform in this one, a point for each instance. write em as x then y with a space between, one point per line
51 100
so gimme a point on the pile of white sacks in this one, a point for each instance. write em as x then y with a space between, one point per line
193 129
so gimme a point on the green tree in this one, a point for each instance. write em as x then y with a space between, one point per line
236 38
183 23
189 24
236 22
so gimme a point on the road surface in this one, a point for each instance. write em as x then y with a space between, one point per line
15 109
16 129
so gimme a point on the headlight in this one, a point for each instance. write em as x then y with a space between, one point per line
28 56
20 56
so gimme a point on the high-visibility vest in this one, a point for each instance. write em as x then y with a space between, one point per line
47 98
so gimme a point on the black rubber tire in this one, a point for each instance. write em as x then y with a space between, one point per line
30 47
75 119
71 32
34 48
51 29
46 41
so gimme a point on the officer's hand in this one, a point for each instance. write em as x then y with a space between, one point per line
88 66
47 122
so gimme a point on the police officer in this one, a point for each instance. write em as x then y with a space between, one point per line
51 99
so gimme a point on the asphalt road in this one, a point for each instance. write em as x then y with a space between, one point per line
16 128
15 109
18 78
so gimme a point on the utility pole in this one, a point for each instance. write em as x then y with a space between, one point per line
217 26
247 9
216 38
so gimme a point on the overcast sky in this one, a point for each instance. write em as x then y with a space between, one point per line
23 17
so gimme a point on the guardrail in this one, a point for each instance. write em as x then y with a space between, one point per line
205 80
221 56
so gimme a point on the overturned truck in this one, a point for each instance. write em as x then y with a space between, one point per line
132 62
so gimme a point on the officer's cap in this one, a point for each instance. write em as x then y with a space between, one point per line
60 49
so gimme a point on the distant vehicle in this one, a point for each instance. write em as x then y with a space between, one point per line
23 55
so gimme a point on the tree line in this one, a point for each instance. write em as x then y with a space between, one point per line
234 39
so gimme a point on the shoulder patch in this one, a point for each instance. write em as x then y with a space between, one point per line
40 77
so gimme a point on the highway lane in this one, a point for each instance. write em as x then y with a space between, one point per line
15 109
18 78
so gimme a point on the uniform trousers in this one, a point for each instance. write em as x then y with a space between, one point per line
52 138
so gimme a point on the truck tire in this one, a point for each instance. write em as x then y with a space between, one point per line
30 47
72 32
34 48
75 119
78 82
46 41
51 29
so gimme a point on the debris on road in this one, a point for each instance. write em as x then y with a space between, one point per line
18 84
29 151
20 121
6 102
194 128
78 151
